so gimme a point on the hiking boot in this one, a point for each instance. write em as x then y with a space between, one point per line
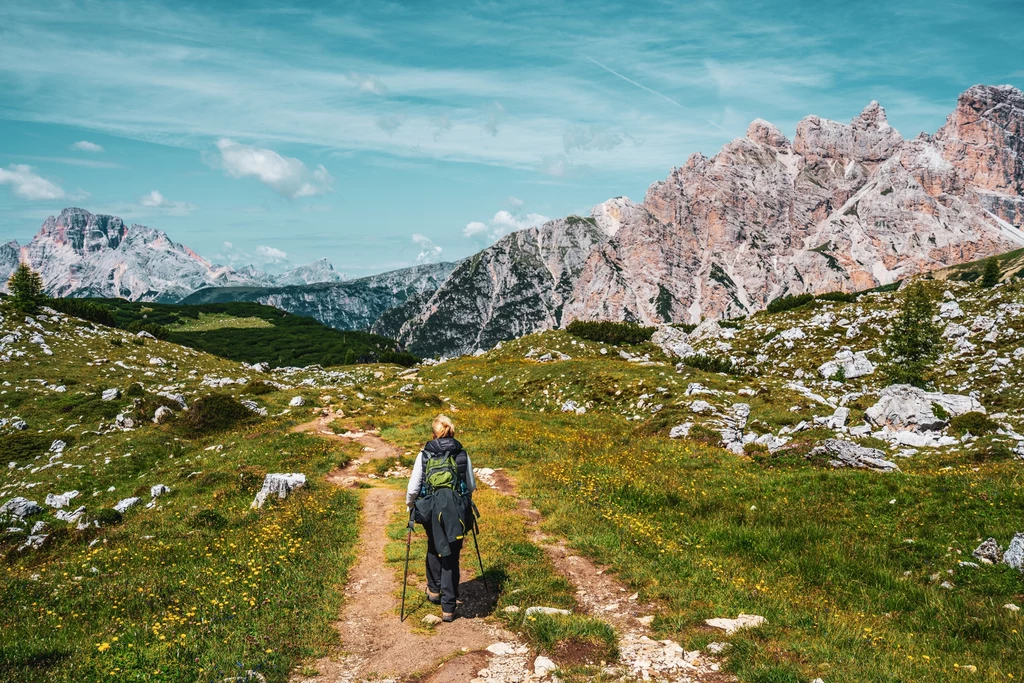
434 598
448 617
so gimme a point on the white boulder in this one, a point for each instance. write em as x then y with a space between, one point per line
280 484
741 622
59 501
853 365
849 454
297 401
673 341
904 407
1014 555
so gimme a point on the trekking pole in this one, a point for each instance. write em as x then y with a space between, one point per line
479 559
405 577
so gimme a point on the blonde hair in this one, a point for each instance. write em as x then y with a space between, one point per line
442 426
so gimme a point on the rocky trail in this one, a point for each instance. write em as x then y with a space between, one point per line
378 648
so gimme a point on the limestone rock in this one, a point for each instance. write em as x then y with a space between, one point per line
111 394
550 611
163 414
1014 555
849 454
741 622
19 508
279 484
989 551
542 666
903 407
853 365
125 504
673 341
60 501
297 401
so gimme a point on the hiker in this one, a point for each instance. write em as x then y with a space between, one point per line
439 497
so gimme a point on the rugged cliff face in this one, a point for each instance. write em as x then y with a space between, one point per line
517 286
841 207
348 305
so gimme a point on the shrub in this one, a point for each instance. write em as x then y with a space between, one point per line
22 447
704 435
841 297
158 331
259 388
135 390
731 324
108 517
789 302
915 340
974 422
208 519
213 413
608 332
702 361
86 310
397 357
686 327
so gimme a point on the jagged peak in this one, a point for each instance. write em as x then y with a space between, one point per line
768 134
609 215
871 117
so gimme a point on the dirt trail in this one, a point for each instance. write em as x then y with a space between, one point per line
377 646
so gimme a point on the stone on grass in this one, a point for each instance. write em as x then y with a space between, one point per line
59 501
680 431
550 611
297 401
1012 607
904 407
849 454
281 484
163 414
700 407
69 517
158 490
852 364
718 648
741 622
19 508
254 407
125 503
1014 555
111 394
673 341
431 620
542 666
989 551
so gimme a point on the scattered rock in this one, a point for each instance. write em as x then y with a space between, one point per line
163 414
254 407
1012 607
111 394
718 648
431 620
989 552
19 508
59 501
700 407
158 490
570 406
673 341
542 666
849 454
125 503
741 622
903 407
551 611
281 484
852 364
680 431
500 649
1014 555
297 401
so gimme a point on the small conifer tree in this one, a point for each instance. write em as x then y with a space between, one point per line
914 342
990 276
26 288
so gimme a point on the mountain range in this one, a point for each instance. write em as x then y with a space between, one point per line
839 207
80 254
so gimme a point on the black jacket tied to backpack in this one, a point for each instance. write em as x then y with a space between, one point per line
446 508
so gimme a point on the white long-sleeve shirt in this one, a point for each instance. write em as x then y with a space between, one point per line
412 492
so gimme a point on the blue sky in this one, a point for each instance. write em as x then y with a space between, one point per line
382 134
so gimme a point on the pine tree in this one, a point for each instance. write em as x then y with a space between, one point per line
350 357
990 276
914 341
26 288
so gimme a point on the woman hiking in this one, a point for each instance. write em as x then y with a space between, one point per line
439 497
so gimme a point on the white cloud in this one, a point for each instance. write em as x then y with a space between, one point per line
368 83
271 254
505 222
442 124
27 184
287 176
86 146
155 200
429 252
390 123
496 115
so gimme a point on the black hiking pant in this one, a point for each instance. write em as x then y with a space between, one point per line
443 572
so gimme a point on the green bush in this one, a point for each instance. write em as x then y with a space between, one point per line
702 361
789 302
974 422
208 519
259 388
990 274
398 358
108 517
213 413
86 310
841 297
23 447
26 288
686 327
608 332
915 340
158 331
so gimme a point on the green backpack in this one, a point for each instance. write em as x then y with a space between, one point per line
440 472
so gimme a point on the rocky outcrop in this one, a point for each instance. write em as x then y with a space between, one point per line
515 287
320 270
903 407
848 454
348 305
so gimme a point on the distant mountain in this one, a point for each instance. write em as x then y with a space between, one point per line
80 254
348 305
311 273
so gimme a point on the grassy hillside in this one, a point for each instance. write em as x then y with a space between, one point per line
255 333
197 586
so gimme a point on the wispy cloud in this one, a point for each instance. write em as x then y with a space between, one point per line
368 83
390 123
287 176
271 254
429 252
86 146
25 183
156 200
496 116
504 222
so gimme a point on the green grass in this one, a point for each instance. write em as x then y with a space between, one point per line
218 321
